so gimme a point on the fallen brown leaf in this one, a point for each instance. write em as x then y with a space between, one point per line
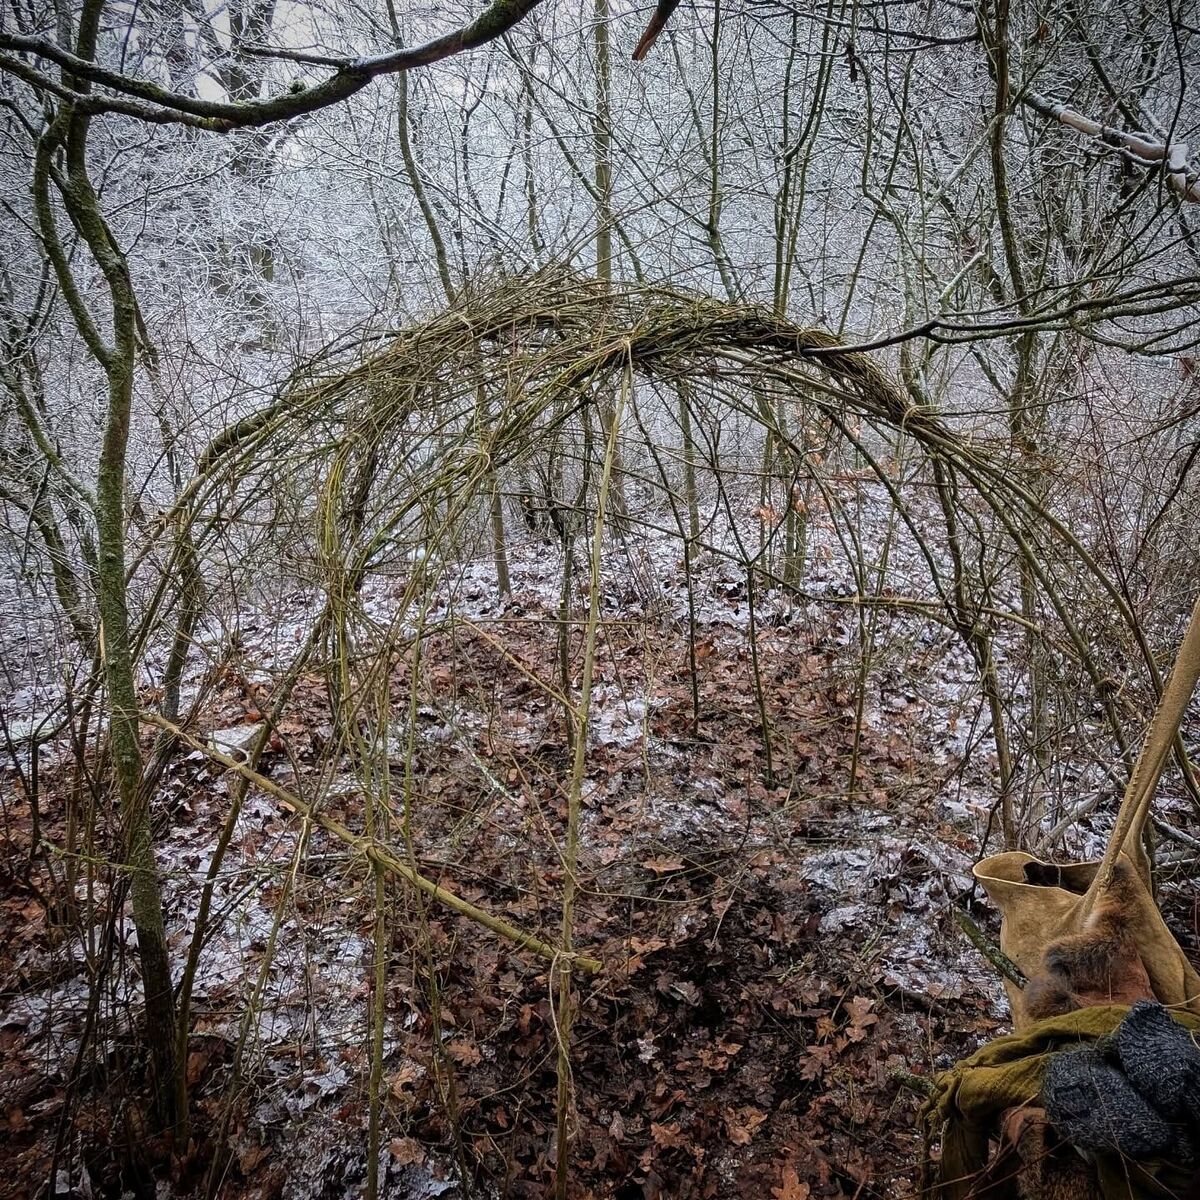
464 1052
790 1187
667 862
406 1151
741 1124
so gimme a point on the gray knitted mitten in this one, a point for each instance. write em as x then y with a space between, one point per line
1093 1106
1161 1060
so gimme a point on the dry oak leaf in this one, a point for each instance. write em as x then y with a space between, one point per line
406 1151
646 945
861 1018
790 1187
667 862
408 1074
250 1157
813 1065
668 1135
464 1052
826 1027
717 1059
197 1066
741 1124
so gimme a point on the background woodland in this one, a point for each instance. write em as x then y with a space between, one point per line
529 576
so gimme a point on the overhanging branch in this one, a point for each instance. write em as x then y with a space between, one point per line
349 76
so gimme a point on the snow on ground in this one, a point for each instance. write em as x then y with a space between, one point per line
287 968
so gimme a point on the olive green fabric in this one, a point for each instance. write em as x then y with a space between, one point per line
968 1100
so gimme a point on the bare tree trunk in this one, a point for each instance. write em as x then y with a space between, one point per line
602 140
1022 420
689 470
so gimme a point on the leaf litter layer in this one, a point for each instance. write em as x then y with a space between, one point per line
788 769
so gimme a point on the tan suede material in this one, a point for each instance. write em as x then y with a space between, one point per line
1033 916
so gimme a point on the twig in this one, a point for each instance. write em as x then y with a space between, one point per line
915 1083
992 953
383 856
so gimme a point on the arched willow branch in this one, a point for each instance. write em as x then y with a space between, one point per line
389 432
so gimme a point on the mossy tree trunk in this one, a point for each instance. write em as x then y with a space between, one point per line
61 161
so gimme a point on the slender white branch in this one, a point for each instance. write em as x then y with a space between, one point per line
1140 148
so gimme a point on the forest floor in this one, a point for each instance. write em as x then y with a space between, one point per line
778 944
